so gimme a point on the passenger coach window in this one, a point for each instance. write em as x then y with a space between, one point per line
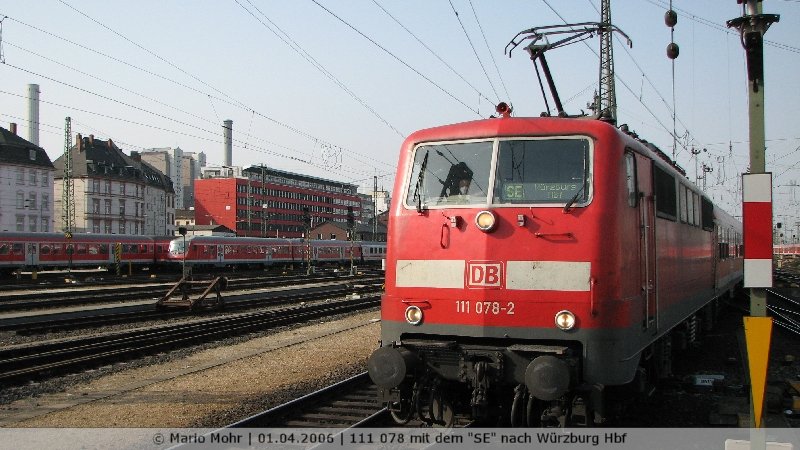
542 171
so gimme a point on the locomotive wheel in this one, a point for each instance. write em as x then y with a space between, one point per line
401 412
442 413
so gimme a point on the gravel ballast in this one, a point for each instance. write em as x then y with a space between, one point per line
212 387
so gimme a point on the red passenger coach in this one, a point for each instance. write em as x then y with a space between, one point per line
33 251
231 251
535 262
228 251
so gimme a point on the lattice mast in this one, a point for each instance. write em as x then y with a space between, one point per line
607 96
68 191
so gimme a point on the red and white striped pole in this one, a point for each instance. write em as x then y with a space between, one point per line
757 212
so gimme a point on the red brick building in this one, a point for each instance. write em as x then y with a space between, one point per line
269 202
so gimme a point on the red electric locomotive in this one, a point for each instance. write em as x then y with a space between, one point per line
534 262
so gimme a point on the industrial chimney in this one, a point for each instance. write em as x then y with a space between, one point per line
33 113
227 131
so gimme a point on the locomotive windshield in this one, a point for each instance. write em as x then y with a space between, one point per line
542 171
450 174
528 171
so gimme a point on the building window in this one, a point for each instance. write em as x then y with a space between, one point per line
122 188
20 222
122 208
95 226
32 221
96 205
33 180
45 224
108 207
121 227
31 200
45 179
96 186
107 226
20 176
108 186
45 202
20 199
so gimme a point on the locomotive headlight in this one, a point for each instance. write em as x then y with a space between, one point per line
485 220
565 320
413 315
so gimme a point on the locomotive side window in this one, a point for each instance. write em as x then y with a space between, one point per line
666 197
448 174
689 207
683 203
4 249
542 171
708 214
630 179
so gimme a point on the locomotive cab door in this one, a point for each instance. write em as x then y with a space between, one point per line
643 173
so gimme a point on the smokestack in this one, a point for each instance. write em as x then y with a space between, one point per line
227 132
13 128
33 113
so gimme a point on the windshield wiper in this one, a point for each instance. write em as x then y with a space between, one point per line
420 180
574 198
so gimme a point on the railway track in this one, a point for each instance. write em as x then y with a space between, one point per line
139 313
348 404
89 294
785 311
40 360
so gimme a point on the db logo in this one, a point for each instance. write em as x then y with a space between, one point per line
484 274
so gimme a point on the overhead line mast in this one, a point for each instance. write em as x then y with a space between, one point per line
607 96
68 190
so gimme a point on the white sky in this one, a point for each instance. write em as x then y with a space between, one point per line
198 63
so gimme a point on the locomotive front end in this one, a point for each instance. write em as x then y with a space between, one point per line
490 282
